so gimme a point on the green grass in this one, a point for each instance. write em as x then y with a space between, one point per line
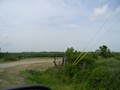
103 75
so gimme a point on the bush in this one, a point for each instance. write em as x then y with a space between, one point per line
117 57
71 55
9 58
1 55
88 74
94 55
97 78
104 51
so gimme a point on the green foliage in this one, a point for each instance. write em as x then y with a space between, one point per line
1 54
94 55
40 78
104 51
104 75
17 56
91 73
71 55
116 55
101 77
9 57
96 77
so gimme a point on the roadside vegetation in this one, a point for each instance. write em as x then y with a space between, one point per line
99 70
5 57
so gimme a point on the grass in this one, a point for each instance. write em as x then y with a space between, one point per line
103 75
32 54
8 57
46 79
98 74
2 60
10 77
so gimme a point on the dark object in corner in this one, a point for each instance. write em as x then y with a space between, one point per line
33 87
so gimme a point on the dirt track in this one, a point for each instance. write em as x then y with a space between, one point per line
10 71
23 62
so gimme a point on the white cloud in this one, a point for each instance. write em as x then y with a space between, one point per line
38 25
99 11
27 13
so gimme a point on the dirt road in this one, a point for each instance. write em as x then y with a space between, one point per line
24 62
10 71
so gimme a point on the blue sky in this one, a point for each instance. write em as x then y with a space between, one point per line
54 25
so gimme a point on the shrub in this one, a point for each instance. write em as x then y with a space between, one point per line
1 55
9 58
97 78
117 57
104 51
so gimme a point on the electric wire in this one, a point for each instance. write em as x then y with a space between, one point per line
94 36
110 29
110 16
99 40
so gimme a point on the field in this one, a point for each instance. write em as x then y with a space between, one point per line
6 57
94 72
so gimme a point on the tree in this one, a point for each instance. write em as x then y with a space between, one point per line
1 54
69 54
104 51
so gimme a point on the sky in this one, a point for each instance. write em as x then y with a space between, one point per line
55 25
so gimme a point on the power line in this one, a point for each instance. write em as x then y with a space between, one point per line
77 60
109 16
100 29
106 32
98 41
78 57
93 38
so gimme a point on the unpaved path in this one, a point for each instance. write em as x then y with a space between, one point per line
23 62
10 71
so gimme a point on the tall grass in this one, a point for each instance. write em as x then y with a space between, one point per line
104 75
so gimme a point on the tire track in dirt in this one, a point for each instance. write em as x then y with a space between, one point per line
22 62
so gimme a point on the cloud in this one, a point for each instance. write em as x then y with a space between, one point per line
38 25
29 13
99 11
3 36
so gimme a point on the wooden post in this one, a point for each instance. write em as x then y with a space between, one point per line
55 64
